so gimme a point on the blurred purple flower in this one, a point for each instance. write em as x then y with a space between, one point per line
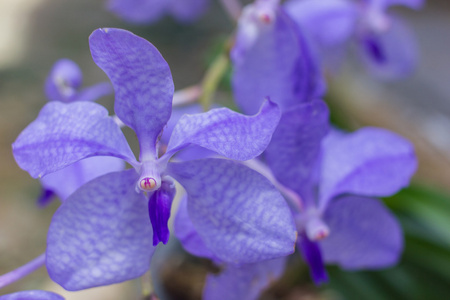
271 59
102 233
64 84
149 11
385 43
336 175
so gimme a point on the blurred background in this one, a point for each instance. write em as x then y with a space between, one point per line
36 33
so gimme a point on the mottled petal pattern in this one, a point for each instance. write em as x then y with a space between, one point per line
139 11
244 282
236 211
65 133
294 150
370 162
142 82
101 234
363 234
66 181
32 295
228 133
187 234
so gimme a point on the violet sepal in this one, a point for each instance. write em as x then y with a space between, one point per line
101 234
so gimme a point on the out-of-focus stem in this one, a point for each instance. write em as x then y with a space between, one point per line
263 169
187 95
22 271
147 287
212 79
233 8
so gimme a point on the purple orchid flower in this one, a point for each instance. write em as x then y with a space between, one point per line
32 295
385 43
102 233
271 59
335 176
149 11
64 84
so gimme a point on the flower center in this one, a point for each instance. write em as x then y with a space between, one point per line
150 179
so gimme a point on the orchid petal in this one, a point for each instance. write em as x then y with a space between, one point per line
329 23
244 282
101 234
312 255
236 211
363 234
188 10
293 153
32 295
66 181
369 162
193 151
65 133
278 65
142 83
64 80
390 54
228 133
187 234
139 11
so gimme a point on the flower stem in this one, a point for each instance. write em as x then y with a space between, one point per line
212 79
22 271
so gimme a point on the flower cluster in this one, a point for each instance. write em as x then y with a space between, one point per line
278 178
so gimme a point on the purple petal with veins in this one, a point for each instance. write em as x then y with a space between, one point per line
101 234
236 211
228 133
363 234
245 282
369 162
65 133
142 83
188 235
32 295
